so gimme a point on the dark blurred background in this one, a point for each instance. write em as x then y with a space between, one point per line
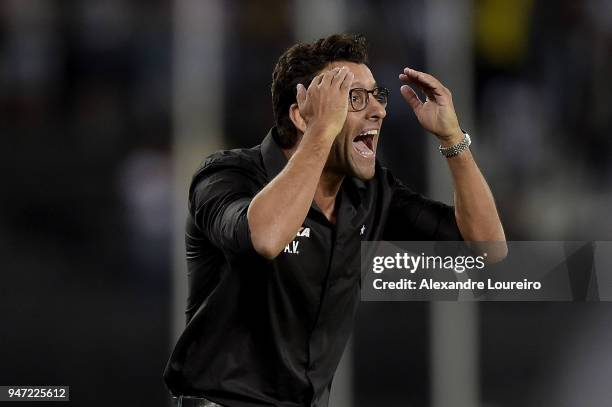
106 108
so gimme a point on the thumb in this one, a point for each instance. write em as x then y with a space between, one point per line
411 97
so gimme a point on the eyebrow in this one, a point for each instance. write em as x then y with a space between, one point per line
361 85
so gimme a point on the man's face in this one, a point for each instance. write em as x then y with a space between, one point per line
354 150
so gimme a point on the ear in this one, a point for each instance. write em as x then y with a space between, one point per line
296 118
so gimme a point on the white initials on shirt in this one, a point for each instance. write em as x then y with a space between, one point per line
292 247
304 232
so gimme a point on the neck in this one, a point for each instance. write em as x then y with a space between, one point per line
326 193
329 184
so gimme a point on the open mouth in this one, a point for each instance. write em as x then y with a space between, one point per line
364 143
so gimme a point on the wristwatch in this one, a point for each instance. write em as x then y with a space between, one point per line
453 151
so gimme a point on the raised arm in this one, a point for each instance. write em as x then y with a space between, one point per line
475 209
278 211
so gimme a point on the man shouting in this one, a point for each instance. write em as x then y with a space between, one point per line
274 232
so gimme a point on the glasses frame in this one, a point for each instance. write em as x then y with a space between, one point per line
378 89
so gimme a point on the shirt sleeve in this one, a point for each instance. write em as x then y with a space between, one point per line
414 217
218 202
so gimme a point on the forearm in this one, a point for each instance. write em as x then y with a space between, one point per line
475 209
278 211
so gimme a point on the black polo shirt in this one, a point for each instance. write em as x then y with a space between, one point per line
271 333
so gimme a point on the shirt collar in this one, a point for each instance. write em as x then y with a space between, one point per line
354 188
273 157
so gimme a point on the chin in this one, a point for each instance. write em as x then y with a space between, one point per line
364 175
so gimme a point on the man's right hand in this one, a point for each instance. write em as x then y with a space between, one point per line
324 105
278 211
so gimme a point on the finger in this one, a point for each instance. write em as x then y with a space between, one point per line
422 77
342 76
339 76
316 81
327 77
347 81
411 97
300 95
429 93
425 81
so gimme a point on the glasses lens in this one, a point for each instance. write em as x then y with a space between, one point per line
358 98
381 95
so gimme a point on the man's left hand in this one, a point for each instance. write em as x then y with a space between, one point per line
437 114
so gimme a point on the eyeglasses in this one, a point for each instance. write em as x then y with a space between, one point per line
359 97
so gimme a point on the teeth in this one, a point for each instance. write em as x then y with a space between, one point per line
363 144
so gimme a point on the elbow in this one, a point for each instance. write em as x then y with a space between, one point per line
488 240
498 252
493 251
263 241
265 248
499 246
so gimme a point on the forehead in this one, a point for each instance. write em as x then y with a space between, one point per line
363 75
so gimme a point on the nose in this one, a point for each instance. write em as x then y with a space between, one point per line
375 110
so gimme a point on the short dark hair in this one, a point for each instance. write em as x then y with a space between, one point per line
300 64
